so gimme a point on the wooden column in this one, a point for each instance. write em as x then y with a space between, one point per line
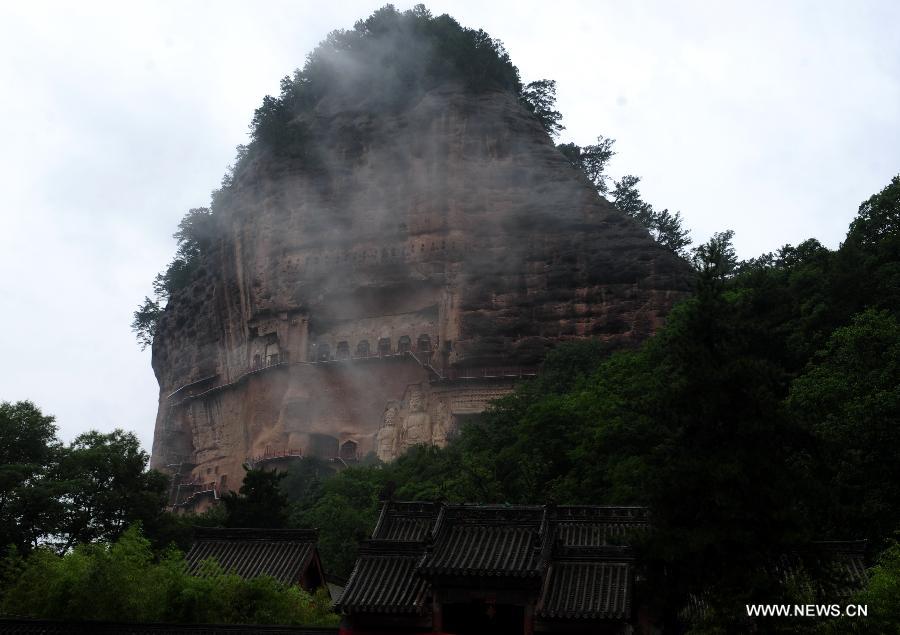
437 614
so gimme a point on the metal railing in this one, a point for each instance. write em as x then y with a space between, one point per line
192 490
269 455
444 374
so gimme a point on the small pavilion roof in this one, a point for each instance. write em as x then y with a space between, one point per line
283 554
405 521
384 580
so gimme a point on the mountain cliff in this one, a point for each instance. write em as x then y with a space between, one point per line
407 267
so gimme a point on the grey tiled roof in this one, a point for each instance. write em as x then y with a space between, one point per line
561 552
384 580
839 565
594 526
487 540
587 590
486 550
282 554
405 521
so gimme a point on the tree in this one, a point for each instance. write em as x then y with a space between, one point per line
881 596
125 580
539 97
345 512
592 160
666 228
870 256
196 233
715 260
146 319
849 399
106 487
90 490
259 503
28 451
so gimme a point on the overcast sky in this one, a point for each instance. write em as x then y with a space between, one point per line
775 119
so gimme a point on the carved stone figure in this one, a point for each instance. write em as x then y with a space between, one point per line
386 439
416 426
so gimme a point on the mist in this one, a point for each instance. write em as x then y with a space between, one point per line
117 121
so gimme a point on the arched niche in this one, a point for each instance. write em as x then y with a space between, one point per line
349 450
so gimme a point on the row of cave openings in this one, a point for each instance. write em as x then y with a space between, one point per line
386 253
321 352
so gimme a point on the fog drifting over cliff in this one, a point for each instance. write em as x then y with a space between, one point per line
772 121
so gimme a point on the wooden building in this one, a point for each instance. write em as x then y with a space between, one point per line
288 555
469 569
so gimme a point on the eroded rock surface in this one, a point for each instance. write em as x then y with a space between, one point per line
370 302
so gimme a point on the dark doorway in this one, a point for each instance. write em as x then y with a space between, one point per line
404 344
384 346
362 349
323 446
343 351
424 344
349 451
324 352
483 618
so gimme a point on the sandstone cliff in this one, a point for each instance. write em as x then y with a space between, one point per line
428 259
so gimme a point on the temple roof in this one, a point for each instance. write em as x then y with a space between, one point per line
587 590
384 580
486 550
283 554
575 557
595 525
487 540
405 521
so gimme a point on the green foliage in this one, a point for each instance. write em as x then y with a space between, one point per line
873 247
303 482
881 596
665 227
592 160
259 503
849 399
106 487
345 511
28 494
715 261
90 490
146 319
195 236
539 97
385 62
124 581
761 417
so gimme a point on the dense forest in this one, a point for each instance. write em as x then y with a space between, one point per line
764 416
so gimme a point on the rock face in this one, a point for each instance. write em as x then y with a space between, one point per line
429 259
